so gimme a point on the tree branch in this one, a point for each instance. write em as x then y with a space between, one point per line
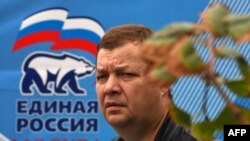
212 75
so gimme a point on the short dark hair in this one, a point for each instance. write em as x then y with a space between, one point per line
123 34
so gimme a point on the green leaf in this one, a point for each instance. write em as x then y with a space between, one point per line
239 87
169 35
205 130
244 68
189 57
238 27
212 18
246 113
161 75
179 116
232 19
180 29
162 42
226 52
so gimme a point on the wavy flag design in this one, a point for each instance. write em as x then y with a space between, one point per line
53 25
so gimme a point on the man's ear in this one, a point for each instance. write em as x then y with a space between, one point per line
164 91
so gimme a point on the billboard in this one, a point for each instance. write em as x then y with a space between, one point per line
47 61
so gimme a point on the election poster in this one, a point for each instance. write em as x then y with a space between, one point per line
47 64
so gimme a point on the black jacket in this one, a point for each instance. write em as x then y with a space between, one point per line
169 132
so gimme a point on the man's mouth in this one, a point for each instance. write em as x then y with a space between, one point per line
110 104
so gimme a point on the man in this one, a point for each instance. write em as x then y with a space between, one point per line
135 107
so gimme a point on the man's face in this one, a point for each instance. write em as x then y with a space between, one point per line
124 93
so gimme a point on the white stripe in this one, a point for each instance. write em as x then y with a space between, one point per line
84 23
3 138
52 14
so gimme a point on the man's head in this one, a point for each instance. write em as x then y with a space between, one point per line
129 33
126 97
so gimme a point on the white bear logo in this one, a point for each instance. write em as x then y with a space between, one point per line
52 73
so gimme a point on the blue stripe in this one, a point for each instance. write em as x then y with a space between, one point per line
47 25
187 93
80 34
219 135
193 107
244 102
214 103
188 99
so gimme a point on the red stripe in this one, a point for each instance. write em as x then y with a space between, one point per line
76 44
36 37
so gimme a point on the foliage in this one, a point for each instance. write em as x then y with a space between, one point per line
176 42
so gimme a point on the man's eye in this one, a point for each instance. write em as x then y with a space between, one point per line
100 77
127 74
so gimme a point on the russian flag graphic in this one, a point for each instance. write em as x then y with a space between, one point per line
52 25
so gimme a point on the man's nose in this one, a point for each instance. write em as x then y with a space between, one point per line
112 85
